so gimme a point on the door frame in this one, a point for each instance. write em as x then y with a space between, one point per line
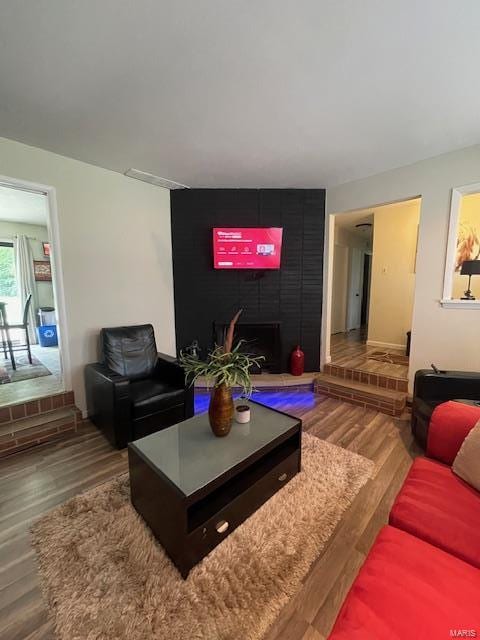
57 270
328 247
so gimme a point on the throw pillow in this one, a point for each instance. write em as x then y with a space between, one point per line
467 463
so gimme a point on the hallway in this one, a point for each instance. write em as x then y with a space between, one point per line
350 350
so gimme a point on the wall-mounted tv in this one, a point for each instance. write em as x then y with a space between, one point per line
247 248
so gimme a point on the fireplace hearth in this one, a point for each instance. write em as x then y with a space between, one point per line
261 339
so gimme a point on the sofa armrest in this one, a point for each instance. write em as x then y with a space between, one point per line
108 403
450 424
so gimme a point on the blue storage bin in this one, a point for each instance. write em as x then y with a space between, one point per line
47 335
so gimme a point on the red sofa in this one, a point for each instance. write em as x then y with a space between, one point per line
421 578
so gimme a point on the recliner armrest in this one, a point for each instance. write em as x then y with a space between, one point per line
101 370
109 403
168 370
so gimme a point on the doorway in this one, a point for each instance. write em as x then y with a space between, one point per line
351 275
367 272
355 288
379 245
30 356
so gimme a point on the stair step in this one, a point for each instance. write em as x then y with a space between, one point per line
38 406
362 375
25 424
370 397
28 432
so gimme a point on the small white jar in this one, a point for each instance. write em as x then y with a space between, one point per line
242 413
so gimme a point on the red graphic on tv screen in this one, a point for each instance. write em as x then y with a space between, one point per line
242 248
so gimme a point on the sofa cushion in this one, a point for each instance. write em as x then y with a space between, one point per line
467 463
409 589
450 424
152 396
437 506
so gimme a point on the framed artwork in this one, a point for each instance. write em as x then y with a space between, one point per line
42 270
46 249
463 246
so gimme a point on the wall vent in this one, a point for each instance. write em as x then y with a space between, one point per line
156 180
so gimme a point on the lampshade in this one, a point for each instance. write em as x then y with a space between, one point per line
470 268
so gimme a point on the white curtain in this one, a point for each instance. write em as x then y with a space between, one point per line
26 281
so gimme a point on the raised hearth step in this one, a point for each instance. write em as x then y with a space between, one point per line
273 381
384 400
32 431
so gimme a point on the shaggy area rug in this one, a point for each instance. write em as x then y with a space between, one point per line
105 577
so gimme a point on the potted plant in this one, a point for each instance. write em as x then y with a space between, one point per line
226 367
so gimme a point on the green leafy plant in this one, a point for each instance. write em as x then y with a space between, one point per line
225 365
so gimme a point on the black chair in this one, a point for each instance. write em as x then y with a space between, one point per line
432 387
135 391
5 331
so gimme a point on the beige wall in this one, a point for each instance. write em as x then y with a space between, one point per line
36 234
115 248
447 337
395 230
469 231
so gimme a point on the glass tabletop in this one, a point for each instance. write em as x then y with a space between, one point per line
191 457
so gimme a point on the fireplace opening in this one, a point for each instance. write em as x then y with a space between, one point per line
261 339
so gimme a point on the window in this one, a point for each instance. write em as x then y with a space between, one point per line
8 282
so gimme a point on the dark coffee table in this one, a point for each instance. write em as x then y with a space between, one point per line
194 489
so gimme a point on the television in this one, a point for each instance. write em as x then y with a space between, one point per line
247 248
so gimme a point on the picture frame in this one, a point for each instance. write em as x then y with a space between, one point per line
42 270
46 249
447 300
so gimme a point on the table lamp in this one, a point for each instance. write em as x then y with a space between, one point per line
470 268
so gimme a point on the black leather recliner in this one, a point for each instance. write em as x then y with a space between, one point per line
135 391
432 387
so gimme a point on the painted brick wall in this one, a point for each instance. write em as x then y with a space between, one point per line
292 295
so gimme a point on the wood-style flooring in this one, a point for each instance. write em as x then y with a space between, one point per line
33 482
350 350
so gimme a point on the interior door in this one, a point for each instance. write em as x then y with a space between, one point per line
355 285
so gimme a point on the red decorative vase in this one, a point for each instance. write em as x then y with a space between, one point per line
297 362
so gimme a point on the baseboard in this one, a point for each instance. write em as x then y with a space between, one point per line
386 345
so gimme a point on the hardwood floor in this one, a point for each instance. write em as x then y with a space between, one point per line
33 482
351 350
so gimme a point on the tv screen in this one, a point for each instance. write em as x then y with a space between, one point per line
247 248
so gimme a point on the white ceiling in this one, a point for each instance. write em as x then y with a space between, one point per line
22 206
242 93
350 221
